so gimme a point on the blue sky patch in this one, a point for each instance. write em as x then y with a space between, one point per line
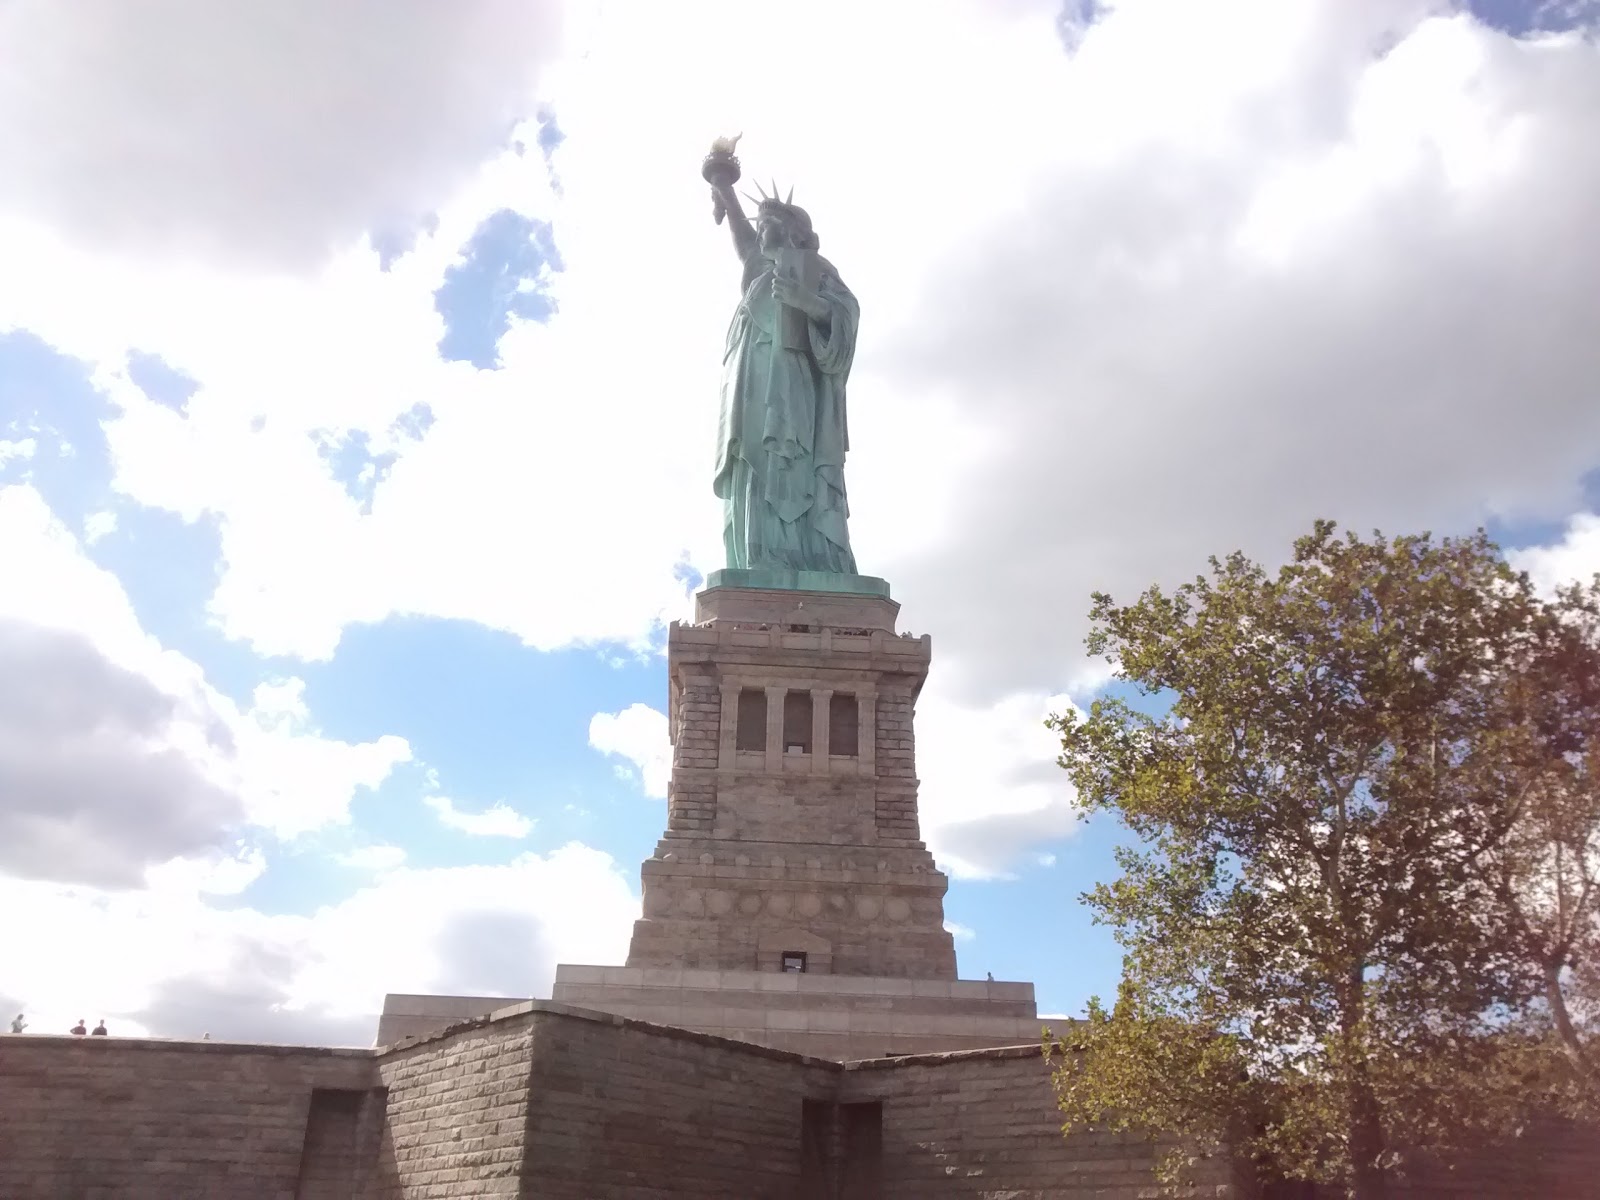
549 136
47 397
1075 17
164 384
1521 17
502 275
494 722
351 461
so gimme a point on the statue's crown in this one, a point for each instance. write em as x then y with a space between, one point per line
772 201
789 211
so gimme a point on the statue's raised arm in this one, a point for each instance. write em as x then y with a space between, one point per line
721 171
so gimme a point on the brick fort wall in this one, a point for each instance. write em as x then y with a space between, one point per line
103 1118
549 1101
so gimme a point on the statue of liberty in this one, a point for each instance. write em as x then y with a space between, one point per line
782 435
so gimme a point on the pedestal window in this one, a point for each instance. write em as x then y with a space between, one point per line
752 729
844 725
797 722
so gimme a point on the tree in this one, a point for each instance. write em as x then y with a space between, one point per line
1340 924
1544 877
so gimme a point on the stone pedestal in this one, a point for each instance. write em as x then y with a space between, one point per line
792 811
791 901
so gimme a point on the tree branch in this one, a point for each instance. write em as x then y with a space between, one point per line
1571 1043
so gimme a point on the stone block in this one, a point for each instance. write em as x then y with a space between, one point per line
778 982
573 973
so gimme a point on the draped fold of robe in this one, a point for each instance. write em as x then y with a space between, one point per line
782 433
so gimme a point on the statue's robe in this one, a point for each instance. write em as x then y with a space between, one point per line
782 435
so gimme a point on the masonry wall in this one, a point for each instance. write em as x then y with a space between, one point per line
621 1109
131 1119
457 1113
984 1123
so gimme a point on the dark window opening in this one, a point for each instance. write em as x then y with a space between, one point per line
861 1150
819 1151
794 961
841 1149
797 723
752 727
844 725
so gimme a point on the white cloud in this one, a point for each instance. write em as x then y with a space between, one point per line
990 786
17 450
163 961
97 525
372 858
151 949
1573 559
498 820
961 933
117 754
1262 309
224 874
295 779
637 734
270 131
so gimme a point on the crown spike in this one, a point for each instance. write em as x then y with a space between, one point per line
761 189
789 199
774 189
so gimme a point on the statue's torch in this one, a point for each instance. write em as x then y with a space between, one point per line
721 170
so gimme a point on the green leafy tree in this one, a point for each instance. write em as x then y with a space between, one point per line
1544 877
1339 922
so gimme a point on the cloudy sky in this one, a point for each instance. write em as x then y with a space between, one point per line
357 390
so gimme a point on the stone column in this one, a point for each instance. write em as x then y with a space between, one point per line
867 731
820 699
728 729
775 729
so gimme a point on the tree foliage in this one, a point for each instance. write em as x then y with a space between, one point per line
1365 879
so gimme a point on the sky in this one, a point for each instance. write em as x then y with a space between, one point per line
358 370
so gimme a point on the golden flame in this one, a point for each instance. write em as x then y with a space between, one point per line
725 145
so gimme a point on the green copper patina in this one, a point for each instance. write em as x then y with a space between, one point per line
782 433
799 581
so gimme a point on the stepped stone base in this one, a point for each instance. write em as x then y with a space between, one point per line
841 1017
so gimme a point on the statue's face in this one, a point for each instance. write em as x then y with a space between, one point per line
770 229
